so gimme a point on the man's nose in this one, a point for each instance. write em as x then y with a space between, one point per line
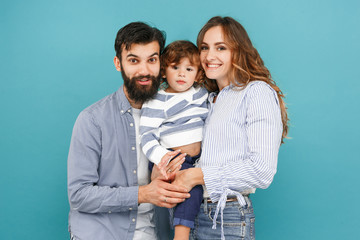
144 69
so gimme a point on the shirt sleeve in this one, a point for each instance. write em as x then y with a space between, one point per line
83 162
150 121
263 129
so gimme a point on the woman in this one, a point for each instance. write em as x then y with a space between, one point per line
245 127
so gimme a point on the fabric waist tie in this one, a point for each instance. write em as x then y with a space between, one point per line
221 205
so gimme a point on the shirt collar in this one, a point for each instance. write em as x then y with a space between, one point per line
124 105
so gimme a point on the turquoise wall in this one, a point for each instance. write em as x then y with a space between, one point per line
57 58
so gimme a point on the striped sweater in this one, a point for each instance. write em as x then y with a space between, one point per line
172 120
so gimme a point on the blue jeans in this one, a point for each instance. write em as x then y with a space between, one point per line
239 223
184 213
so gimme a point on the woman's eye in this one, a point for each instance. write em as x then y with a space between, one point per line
203 48
220 48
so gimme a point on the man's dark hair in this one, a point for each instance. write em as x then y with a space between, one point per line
139 33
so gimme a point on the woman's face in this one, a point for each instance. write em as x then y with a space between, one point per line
215 56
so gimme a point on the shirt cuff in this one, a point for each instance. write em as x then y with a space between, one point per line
215 181
128 200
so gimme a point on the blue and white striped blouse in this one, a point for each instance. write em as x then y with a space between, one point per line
242 136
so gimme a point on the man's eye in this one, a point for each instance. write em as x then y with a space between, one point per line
152 60
133 60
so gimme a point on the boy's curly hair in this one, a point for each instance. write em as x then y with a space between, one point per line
175 52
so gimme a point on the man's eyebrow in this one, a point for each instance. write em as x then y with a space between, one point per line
154 54
131 55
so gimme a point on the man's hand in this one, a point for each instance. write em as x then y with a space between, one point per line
162 193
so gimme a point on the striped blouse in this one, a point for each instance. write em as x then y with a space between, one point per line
242 136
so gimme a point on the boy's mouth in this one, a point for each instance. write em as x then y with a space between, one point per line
180 82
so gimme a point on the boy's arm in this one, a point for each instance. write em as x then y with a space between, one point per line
150 122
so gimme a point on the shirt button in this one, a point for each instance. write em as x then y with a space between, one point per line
109 211
129 110
134 171
131 124
130 209
122 111
133 219
132 148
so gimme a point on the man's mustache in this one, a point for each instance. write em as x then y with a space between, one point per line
144 77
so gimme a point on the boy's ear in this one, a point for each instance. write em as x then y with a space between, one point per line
117 64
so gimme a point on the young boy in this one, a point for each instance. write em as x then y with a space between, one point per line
173 121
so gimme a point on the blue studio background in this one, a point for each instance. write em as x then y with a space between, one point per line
57 59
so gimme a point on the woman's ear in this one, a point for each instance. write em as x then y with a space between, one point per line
117 64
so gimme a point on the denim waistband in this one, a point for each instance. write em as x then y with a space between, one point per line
247 209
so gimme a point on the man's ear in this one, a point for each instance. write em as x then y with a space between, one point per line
117 63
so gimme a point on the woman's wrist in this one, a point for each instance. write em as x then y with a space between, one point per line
196 176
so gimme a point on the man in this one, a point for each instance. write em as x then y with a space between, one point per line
108 179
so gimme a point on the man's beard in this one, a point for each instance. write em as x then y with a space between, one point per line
139 93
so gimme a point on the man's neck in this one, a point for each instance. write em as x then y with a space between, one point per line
133 104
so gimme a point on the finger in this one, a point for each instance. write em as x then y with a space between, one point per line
170 155
174 201
176 161
165 188
167 205
176 197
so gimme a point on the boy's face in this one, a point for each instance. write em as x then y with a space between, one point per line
180 77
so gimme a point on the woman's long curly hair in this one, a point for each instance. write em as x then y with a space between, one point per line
247 64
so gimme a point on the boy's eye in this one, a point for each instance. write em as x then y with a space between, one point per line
174 67
189 69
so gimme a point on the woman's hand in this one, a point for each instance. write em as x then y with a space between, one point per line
189 178
173 167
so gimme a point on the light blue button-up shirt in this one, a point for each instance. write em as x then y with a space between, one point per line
102 176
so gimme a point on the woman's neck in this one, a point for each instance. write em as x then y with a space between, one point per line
222 83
